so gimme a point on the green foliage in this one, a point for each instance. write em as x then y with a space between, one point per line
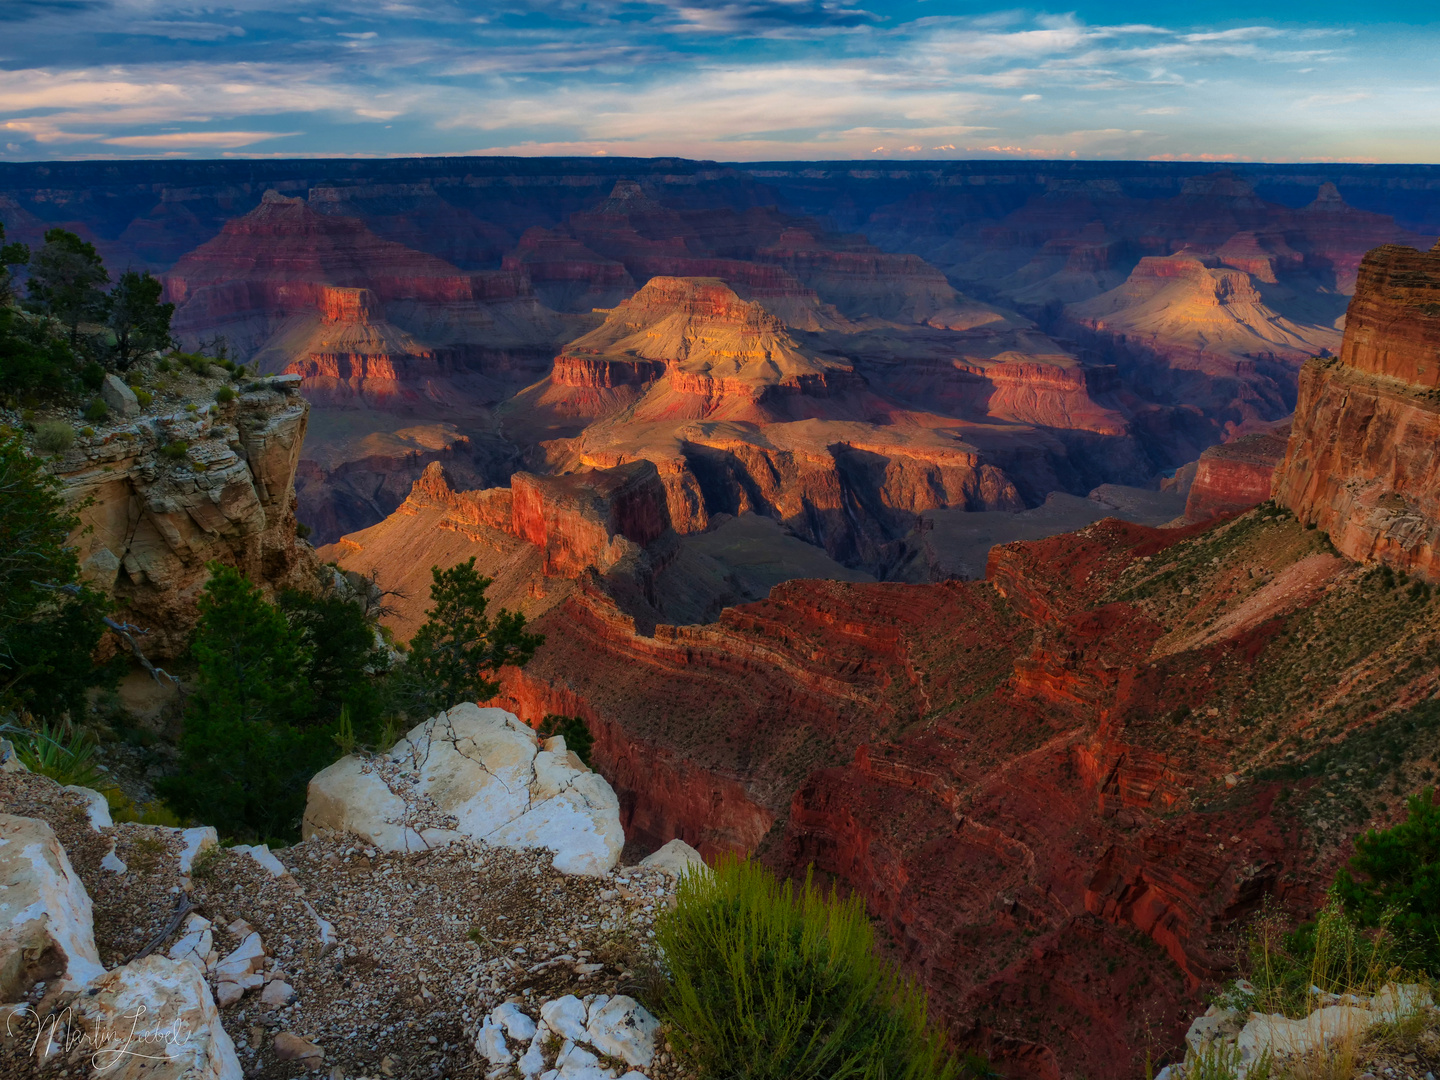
97 411
573 730
277 687
143 396
455 653
10 255
1395 874
246 756
54 436
344 658
139 321
66 281
49 626
92 376
35 361
224 395
769 981
175 451
64 760
1332 954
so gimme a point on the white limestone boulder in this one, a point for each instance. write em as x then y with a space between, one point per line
46 923
166 1009
621 1027
476 773
677 858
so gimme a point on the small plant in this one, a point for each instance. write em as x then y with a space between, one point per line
143 396
774 982
96 411
145 853
65 762
204 865
163 365
302 530
88 432
175 451
54 436
345 733
224 395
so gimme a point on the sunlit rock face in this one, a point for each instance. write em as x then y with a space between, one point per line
1362 461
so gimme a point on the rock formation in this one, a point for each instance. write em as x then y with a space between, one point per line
476 773
1235 476
1017 773
161 495
1361 462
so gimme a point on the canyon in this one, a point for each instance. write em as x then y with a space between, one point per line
838 496
418 297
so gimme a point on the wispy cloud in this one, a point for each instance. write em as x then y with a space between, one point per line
728 79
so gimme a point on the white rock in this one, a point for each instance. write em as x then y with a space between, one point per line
1396 1002
533 1060
1216 1025
97 808
593 1004
677 858
566 1017
516 1024
484 769
113 862
262 854
227 993
46 921
622 1028
248 957
1283 1037
197 942
180 1024
581 1064
119 397
490 1041
277 994
196 841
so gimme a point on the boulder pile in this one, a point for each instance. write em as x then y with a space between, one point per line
352 954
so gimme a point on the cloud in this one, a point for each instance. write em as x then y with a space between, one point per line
180 140
724 79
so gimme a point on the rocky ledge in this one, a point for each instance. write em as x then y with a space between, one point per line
335 954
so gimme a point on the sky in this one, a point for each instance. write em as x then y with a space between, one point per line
727 80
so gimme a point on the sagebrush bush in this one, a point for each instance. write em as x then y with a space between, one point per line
224 395
96 411
768 981
54 436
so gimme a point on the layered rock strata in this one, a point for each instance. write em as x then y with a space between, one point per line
1362 460
161 496
1235 476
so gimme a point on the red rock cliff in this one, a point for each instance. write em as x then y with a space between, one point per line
1363 462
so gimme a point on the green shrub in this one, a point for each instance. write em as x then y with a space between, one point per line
143 396
1395 875
175 451
573 730
92 376
54 436
96 411
770 982
1332 955
162 365
224 395
64 760
302 530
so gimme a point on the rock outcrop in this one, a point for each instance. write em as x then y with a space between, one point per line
163 494
45 920
1020 775
1235 476
1362 460
478 774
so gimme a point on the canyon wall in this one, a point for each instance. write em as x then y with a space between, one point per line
1235 476
161 496
1362 462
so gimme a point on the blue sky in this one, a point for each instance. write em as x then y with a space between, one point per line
721 79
